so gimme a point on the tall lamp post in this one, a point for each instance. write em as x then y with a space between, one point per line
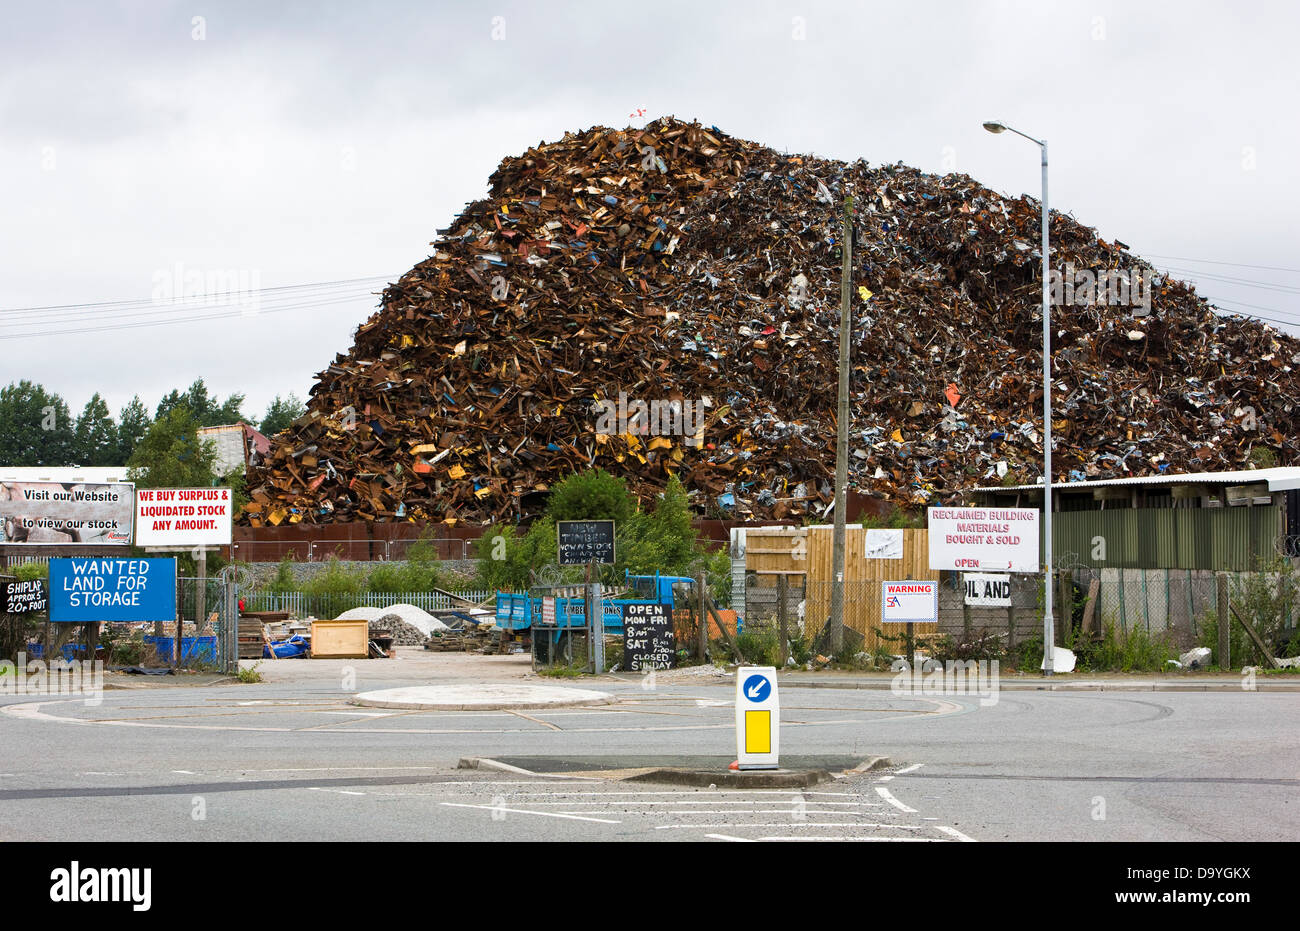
1049 638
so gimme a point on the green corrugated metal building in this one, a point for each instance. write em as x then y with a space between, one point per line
1226 521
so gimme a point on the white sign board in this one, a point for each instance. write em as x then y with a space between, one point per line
883 544
182 516
909 602
57 513
994 539
757 717
987 591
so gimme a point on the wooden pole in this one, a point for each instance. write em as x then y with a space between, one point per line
702 630
836 623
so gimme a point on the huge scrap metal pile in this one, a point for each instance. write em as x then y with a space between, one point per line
677 263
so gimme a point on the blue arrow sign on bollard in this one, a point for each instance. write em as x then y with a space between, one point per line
757 688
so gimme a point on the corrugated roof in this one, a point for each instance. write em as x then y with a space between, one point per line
1282 478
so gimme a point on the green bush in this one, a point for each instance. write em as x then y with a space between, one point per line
32 570
335 580
760 647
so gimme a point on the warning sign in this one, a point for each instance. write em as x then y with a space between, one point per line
909 602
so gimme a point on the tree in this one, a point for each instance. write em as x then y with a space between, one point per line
205 408
132 425
96 435
281 413
171 455
593 495
36 427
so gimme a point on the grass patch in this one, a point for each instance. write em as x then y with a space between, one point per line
250 674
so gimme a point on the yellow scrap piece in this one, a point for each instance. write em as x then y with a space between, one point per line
455 472
864 293
897 435
677 455
424 448
661 442
483 492
276 516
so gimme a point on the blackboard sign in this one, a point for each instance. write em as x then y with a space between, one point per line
647 637
25 597
582 541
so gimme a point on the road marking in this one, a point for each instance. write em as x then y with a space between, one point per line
739 840
524 811
783 803
885 794
911 769
788 824
851 837
884 778
185 772
529 717
955 833
768 811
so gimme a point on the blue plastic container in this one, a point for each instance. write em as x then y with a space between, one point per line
192 648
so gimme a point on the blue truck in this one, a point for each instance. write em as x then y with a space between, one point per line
520 613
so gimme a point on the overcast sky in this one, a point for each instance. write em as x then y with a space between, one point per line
308 143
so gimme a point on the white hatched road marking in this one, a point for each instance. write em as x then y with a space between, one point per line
955 833
741 840
523 811
885 794
911 769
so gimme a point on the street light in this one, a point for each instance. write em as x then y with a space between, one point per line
995 126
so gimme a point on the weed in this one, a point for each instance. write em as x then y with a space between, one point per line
249 674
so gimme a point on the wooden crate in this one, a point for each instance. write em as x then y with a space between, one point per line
340 639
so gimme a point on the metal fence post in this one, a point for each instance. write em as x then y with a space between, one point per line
1225 641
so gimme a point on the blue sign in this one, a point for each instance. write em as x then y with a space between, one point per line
88 589
757 688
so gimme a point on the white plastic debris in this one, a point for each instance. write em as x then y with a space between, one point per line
1195 658
1062 660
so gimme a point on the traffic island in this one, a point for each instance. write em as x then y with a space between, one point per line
697 771
504 696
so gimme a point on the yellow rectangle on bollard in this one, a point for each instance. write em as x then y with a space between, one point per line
758 732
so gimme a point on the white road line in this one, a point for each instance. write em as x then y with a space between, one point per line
911 769
884 778
885 794
769 812
786 824
185 772
522 811
955 833
780 793
741 840
778 803
893 840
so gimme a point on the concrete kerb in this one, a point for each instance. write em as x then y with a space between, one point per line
695 778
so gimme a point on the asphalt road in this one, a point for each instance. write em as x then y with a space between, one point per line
295 761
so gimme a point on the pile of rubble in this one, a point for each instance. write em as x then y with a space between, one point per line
403 634
700 274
